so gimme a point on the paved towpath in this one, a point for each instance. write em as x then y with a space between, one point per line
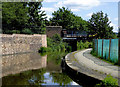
84 62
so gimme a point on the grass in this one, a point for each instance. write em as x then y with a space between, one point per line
73 57
73 53
101 58
109 81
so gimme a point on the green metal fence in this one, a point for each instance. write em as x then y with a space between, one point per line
108 49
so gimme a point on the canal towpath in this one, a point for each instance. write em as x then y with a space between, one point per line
83 62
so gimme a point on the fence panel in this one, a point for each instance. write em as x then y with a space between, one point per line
99 47
106 48
95 45
114 50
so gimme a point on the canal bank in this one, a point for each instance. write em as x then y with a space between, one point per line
83 62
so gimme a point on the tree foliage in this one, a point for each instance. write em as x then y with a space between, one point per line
99 24
23 17
65 18
13 16
37 17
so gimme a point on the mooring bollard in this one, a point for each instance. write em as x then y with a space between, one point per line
63 63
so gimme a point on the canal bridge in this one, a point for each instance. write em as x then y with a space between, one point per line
72 39
72 36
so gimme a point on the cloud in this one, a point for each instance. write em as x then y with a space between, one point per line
49 16
82 4
89 14
51 0
115 19
115 27
75 10
109 0
48 9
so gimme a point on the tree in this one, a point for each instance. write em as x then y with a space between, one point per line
23 17
99 24
37 17
65 18
14 16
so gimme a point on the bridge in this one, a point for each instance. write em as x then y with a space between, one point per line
71 37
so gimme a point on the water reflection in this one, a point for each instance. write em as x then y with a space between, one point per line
12 64
49 72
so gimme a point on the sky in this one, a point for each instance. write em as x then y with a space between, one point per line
85 8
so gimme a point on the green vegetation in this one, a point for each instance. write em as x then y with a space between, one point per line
27 18
61 78
56 60
84 45
106 60
23 17
65 18
24 78
100 25
55 44
109 81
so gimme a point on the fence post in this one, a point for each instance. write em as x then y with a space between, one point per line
102 47
119 51
109 49
97 47
93 45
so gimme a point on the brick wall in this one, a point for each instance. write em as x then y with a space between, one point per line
21 43
52 30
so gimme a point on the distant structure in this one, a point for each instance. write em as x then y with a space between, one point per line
52 30
73 33
68 33
119 19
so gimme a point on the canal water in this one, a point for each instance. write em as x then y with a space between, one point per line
35 69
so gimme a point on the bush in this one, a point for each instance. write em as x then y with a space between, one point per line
69 49
15 31
26 31
43 49
109 81
55 44
83 45
56 38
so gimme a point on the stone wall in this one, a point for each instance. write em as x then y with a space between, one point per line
52 30
21 43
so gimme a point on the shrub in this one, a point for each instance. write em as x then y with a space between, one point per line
86 44
43 49
69 49
55 44
82 45
109 81
62 47
90 44
15 31
56 38
26 31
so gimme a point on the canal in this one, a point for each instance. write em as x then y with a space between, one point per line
35 69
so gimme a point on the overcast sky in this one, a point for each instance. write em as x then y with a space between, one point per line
85 8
